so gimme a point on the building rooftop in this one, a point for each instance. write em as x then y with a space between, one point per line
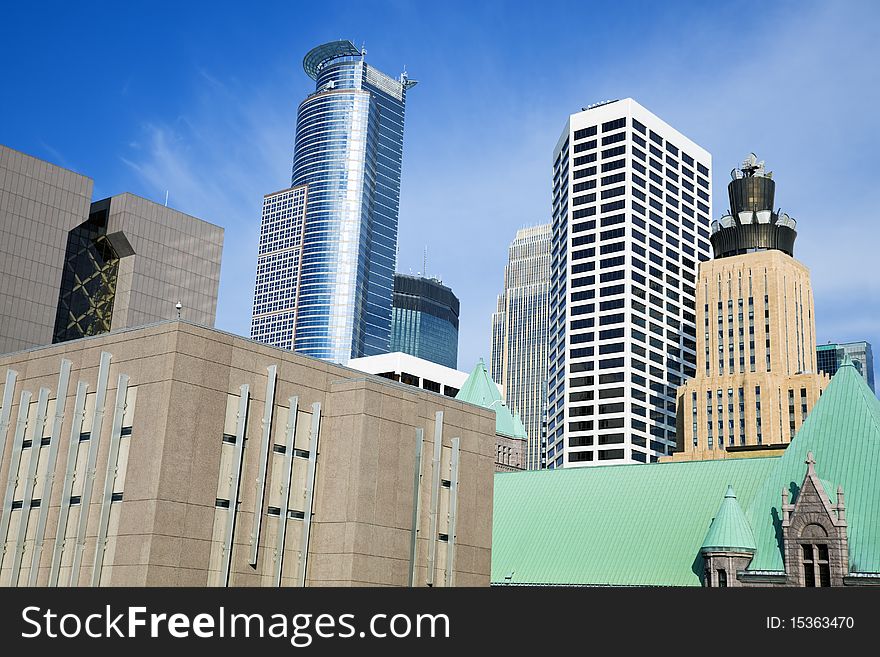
630 525
729 531
481 390
327 52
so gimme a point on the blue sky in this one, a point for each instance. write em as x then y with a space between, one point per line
199 99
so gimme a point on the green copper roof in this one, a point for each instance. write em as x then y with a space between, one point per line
613 525
729 531
843 433
646 524
481 390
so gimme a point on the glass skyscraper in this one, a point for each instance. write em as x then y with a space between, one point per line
328 244
519 334
830 356
425 320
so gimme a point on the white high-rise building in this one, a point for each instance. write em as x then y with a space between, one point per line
519 334
631 213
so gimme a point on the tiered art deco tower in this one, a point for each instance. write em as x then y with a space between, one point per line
756 374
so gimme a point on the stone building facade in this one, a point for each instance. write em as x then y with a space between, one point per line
70 267
178 455
756 375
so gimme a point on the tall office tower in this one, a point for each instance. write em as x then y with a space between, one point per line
756 345
519 334
71 268
830 356
424 320
328 244
631 208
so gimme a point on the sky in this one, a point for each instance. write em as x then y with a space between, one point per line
199 99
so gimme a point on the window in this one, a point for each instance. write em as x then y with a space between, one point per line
584 133
612 139
815 562
614 125
722 578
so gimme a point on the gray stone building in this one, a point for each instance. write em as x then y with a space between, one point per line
70 267
175 454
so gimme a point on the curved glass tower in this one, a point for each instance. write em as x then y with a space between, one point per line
425 320
338 279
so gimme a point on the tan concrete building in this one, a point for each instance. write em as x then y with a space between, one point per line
70 267
756 375
170 436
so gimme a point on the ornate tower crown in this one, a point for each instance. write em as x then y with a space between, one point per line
751 224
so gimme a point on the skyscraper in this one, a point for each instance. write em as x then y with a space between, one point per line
519 333
328 243
756 346
830 356
70 267
631 207
424 319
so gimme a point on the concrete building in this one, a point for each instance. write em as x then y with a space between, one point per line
757 377
174 454
413 371
70 267
807 517
631 207
328 244
830 356
424 319
519 335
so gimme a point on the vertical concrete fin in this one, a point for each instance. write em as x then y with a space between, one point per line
240 429
265 446
110 478
6 410
435 497
76 425
24 408
453 510
88 485
49 478
29 482
314 436
417 484
289 442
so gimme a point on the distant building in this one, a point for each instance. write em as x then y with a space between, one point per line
756 377
178 455
328 243
424 319
474 388
413 371
510 441
519 334
805 518
830 356
71 268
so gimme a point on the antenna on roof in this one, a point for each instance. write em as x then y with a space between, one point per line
425 262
